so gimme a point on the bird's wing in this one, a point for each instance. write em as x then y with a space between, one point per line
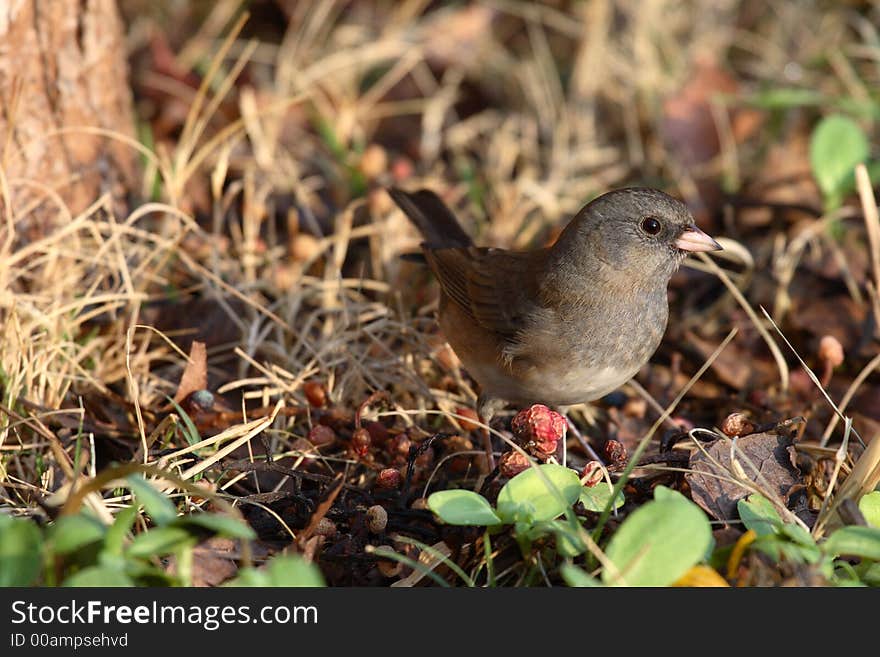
490 285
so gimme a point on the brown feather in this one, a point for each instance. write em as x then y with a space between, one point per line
492 286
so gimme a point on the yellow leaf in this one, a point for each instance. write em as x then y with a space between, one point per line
739 549
701 576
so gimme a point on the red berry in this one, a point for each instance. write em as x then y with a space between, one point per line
539 426
320 435
737 424
591 474
315 393
361 442
615 453
512 463
389 478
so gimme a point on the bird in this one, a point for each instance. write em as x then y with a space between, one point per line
568 323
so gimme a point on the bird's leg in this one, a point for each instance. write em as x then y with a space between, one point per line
486 408
578 436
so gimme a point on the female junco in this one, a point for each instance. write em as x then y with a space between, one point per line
565 324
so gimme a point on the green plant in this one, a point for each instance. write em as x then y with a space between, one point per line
533 502
283 570
837 145
869 505
849 555
79 550
532 497
659 542
655 545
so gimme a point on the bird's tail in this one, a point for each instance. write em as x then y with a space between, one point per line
432 217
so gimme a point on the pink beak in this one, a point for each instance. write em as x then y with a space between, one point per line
695 240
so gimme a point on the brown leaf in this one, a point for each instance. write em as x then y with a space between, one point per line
768 452
214 561
195 376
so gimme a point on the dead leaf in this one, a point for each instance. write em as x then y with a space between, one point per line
195 375
214 561
710 483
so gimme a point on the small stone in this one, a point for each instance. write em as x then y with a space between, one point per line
377 519
326 528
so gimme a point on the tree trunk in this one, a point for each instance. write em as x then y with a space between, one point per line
63 73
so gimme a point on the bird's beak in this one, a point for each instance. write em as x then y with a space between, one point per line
694 240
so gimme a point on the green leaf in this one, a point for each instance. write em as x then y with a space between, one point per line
159 541
122 524
837 145
291 570
874 172
798 535
286 570
869 505
568 542
779 548
538 494
462 507
251 577
577 577
666 494
99 576
854 541
219 524
658 543
70 533
156 504
190 432
20 548
871 575
594 498
759 515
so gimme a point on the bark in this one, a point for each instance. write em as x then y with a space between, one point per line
62 68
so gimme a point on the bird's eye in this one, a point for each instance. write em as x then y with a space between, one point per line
650 225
